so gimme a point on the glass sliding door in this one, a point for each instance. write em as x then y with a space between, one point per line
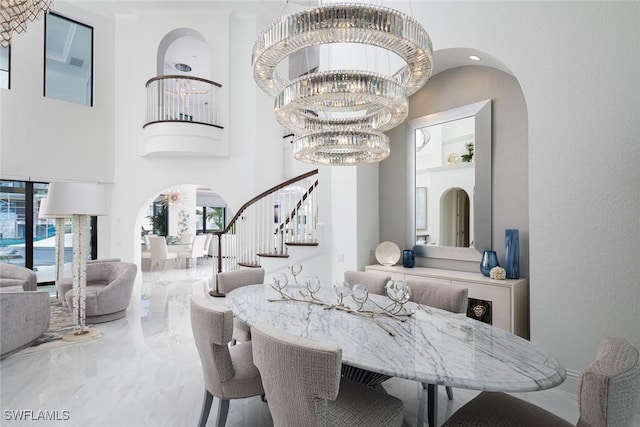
28 240
44 240
12 222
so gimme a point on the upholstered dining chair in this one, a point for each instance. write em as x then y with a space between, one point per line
194 252
207 245
186 238
374 282
608 392
230 280
159 251
229 372
445 297
301 378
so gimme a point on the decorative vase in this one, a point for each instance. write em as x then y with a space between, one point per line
488 261
408 258
512 253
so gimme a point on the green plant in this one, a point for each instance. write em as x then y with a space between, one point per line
159 219
469 156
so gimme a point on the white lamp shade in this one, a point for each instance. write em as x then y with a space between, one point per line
43 212
76 198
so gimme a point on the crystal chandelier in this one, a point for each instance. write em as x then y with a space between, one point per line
15 14
339 116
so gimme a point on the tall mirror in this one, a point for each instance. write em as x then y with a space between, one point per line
450 158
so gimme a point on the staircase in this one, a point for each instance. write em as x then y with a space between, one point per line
267 225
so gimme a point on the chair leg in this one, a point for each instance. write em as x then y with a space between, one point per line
206 408
449 392
223 411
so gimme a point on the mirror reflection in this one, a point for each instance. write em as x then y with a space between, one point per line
445 179
450 190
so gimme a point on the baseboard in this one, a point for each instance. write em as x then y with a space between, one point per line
570 385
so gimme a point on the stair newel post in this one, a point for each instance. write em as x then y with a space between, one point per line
215 292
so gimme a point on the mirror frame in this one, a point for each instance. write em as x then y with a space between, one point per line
482 224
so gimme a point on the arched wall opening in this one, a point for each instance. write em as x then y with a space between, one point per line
460 81
184 47
176 212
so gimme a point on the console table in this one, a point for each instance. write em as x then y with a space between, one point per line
509 298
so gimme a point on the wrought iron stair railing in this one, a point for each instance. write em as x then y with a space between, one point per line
281 216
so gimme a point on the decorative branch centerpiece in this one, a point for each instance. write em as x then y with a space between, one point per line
397 291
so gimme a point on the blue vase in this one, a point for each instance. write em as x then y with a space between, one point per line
488 261
408 258
512 253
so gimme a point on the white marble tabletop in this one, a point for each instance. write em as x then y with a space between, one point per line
431 346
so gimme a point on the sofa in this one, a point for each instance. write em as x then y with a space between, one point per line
24 312
108 292
14 275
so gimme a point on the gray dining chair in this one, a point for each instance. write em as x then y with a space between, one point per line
608 391
230 280
229 372
374 282
302 384
445 297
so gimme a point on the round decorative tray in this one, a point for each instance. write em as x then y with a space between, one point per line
387 253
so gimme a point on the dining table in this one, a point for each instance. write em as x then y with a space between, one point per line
411 341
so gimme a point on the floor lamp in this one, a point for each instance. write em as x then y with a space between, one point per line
43 213
81 201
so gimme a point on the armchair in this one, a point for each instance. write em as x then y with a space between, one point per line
109 288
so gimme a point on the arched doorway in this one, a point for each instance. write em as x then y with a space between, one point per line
179 213
454 218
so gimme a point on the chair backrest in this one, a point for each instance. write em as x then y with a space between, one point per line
15 275
299 375
609 388
207 244
439 295
373 281
108 271
197 247
158 247
230 280
186 238
212 328
199 243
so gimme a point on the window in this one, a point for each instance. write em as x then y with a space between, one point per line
209 219
28 240
68 70
5 67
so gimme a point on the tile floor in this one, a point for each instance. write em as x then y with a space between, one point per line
145 370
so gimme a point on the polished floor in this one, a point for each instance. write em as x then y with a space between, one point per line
145 371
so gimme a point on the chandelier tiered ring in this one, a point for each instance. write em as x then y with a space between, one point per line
16 14
338 116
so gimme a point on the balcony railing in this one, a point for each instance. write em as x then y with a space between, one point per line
174 98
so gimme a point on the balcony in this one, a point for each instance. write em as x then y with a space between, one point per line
183 118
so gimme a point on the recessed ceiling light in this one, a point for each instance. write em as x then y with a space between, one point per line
183 67
474 57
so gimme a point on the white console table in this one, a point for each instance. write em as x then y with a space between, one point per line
509 298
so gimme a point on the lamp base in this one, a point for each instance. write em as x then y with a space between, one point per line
89 333
215 293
